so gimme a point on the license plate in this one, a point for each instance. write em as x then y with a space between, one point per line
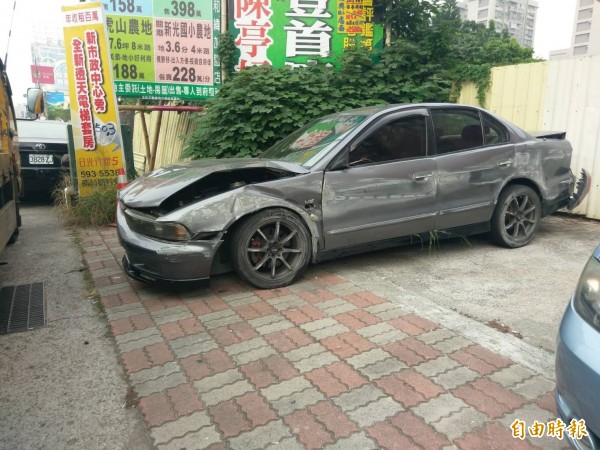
41 159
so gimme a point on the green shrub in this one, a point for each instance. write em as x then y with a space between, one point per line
261 105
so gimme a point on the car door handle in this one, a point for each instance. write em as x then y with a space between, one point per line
505 162
422 175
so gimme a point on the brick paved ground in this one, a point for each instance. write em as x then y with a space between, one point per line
320 364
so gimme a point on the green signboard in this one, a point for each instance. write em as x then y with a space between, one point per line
164 49
293 32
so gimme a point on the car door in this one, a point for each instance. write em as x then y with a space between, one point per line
475 158
386 187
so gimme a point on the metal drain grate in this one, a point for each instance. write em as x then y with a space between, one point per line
22 308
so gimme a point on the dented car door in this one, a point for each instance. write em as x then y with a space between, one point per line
386 189
475 158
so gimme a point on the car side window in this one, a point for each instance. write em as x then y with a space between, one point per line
400 139
494 131
456 129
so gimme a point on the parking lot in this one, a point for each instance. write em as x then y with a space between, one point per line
526 289
383 350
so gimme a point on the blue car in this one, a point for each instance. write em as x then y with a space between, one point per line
578 357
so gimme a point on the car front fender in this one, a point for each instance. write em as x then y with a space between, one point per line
221 212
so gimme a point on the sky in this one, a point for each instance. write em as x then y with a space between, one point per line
554 27
553 31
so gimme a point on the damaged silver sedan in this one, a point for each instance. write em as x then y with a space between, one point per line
350 182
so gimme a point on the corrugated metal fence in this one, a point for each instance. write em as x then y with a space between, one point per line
573 104
553 95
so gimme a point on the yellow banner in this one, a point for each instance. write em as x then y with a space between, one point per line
94 115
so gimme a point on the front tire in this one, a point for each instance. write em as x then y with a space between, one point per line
271 249
13 238
516 217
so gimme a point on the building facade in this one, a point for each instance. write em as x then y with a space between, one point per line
586 30
462 9
518 17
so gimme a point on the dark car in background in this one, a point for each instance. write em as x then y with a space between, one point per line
43 146
353 181
578 358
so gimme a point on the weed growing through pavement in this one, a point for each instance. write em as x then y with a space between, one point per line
434 240
97 209
435 236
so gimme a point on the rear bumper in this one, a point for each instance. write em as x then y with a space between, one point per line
150 260
572 195
551 207
41 179
578 376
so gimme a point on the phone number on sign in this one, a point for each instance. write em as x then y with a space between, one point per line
99 173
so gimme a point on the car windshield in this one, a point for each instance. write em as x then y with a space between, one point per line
310 143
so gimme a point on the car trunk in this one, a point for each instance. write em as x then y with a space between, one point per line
42 154
43 148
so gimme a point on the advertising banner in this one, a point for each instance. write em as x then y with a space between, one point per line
94 114
293 32
55 98
164 49
42 74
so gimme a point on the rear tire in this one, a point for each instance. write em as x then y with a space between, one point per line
271 249
516 217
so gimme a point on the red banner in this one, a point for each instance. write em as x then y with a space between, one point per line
42 74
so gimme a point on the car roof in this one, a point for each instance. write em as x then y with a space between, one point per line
402 106
387 108
42 130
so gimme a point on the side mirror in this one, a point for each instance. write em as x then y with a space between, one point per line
341 162
35 101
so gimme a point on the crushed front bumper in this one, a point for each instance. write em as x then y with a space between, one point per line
151 260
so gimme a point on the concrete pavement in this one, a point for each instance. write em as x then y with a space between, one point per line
61 386
325 363
527 289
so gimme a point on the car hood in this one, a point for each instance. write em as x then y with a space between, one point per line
151 190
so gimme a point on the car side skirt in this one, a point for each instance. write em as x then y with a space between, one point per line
420 238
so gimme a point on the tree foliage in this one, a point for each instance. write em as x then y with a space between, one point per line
409 19
477 49
227 52
431 54
54 112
